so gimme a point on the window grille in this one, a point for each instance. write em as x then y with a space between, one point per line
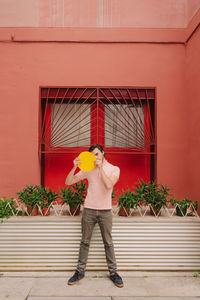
70 125
121 119
124 128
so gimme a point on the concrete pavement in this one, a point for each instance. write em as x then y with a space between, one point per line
138 285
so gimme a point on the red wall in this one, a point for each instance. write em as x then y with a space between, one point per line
26 66
193 120
192 8
160 58
132 167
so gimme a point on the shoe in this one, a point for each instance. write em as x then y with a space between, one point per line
75 278
117 280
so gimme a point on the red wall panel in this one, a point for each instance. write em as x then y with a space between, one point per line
132 167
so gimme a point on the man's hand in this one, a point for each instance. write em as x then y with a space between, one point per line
76 161
71 178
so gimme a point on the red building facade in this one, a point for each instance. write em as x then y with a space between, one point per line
134 66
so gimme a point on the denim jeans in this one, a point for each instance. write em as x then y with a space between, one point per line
104 219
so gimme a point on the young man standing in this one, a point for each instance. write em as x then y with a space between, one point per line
97 209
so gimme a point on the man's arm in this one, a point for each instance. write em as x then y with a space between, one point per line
71 178
109 182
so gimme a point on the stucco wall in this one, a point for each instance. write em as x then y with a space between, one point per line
192 8
97 13
193 108
171 67
26 66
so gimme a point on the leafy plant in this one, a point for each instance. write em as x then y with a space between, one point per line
183 205
7 208
30 195
80 191
67 195
74 195
47 196
114 191
153 193
128 199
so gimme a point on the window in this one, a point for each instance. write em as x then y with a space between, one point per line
124 126
121 119
70 125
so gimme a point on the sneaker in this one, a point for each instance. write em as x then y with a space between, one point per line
75 278
117 280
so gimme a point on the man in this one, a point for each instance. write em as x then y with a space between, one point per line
97 209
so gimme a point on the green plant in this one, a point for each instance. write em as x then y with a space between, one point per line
30 195
7 208
80 191
153 193
47 196
196 274
114 191
67 195
183 205
128 199
74 195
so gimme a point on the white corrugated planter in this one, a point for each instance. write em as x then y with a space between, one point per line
141 243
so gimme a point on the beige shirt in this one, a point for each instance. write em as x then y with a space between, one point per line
98 195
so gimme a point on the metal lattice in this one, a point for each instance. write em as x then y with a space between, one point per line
119 118
142 211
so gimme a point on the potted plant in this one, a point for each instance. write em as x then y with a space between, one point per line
154 194
47 196
127 200
183 206
30 196
74 197
7 208
114 197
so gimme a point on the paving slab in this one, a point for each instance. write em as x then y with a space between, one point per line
172 286
15 288
113 298
69 298
155 298
97 285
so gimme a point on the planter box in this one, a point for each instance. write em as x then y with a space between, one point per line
141 243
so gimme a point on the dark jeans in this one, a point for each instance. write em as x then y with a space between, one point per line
89 218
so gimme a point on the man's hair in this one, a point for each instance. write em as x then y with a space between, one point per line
96 146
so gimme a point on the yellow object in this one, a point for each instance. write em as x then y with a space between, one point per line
87 161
